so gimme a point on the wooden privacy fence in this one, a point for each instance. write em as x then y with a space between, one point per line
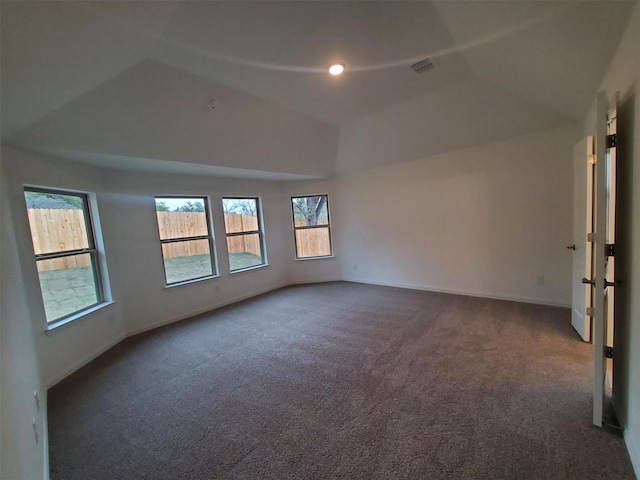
313 242
235 223
55 230
193 224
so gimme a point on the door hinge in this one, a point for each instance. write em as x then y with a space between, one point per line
591 237
609 250
588 311
611 140
608 352
592 159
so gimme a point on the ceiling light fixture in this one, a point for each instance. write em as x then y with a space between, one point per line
336 68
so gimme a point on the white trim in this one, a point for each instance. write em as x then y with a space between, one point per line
428 288
634 452
193 280
55 326
246 296
248 269
311 282
110 344
84 360
304 259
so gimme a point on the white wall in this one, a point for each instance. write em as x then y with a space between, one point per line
127 216
486 220
67 346
33 359
21 457
136 259
623 76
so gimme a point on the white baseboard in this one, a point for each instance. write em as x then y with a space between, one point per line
84 360
111 343
311 282
427 288
209 308
213 307
634 452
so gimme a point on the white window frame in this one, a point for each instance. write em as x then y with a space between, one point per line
307 227
92 250
260 232
209 237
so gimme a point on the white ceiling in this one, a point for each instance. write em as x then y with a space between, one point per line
124 84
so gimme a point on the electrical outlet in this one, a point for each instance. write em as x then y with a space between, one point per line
35 429
540 280
37 399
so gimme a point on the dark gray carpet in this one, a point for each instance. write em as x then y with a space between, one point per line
340 380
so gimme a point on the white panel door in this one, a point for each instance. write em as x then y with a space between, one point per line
610 259
583 166
599 330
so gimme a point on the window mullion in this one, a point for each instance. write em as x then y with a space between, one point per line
67 253
247 232
309 227
185 239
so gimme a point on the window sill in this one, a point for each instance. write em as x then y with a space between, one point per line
53 327
188 282
248 269
314 258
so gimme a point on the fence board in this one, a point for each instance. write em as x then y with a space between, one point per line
313 242
182 224
55 230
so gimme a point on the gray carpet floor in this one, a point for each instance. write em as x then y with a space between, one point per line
340 380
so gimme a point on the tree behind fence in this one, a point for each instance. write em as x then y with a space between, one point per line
57 230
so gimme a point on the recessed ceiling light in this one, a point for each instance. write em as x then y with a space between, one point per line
336 68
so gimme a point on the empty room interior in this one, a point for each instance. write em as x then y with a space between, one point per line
306 239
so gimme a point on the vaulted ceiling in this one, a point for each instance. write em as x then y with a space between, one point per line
126 84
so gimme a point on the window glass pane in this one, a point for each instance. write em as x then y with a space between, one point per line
313 242
68 284
311 226
310 211
181 217
187 260
240 214
57 222
244 251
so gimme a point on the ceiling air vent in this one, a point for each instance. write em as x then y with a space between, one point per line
423 65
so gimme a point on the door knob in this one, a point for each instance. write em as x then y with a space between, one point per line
571 247
587 281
